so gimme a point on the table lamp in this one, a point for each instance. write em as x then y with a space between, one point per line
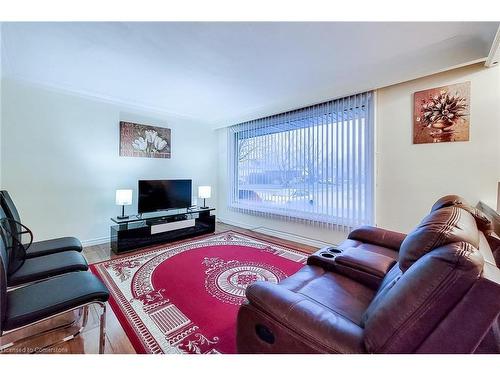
123 198
204 192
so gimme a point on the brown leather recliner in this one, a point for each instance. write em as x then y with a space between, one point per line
436 290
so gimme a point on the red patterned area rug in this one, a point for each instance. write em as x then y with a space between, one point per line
184 298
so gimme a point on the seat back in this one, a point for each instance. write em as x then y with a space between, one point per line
15 252
10 210
483 223
439 263
3 280
489 246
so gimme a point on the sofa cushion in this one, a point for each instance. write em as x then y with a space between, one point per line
447 201
483 223
440 227
333 291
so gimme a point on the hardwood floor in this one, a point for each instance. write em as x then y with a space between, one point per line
116 339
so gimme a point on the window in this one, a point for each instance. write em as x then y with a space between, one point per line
314 164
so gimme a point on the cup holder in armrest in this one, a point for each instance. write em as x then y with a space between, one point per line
334 250
325 257
330 252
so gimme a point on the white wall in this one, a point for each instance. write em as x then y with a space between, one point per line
410 178
1 72
60 159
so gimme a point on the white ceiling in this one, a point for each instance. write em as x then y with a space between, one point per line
223 73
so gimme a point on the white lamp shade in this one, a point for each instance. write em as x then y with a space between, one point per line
124 197
204 191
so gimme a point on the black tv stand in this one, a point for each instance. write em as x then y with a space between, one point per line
167 219
140 231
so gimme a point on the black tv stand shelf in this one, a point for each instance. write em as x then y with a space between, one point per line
168 219
139 231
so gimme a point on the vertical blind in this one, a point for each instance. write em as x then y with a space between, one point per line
314 164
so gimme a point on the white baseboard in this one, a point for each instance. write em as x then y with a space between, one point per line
95 241
278 233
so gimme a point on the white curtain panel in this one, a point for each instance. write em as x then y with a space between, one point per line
313 165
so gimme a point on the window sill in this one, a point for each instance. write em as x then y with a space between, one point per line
292 214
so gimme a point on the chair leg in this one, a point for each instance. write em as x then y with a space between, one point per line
102 329
84 317
81 312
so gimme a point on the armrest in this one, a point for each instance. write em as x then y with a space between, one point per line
366 261
366 267
310 320
378 236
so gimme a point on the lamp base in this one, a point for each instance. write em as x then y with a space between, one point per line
122 216
204 208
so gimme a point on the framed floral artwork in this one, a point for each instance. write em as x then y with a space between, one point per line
147 141
441 114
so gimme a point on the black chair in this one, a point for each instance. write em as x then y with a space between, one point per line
20 270
39 248
27 306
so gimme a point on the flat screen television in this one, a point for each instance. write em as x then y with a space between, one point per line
161 195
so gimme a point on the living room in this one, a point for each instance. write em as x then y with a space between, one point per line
237 188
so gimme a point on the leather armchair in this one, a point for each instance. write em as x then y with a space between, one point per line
383 292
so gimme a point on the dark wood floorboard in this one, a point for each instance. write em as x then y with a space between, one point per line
116 339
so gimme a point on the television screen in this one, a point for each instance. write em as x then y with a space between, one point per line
159 195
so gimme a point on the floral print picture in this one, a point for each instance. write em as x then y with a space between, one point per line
442 114
144 140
